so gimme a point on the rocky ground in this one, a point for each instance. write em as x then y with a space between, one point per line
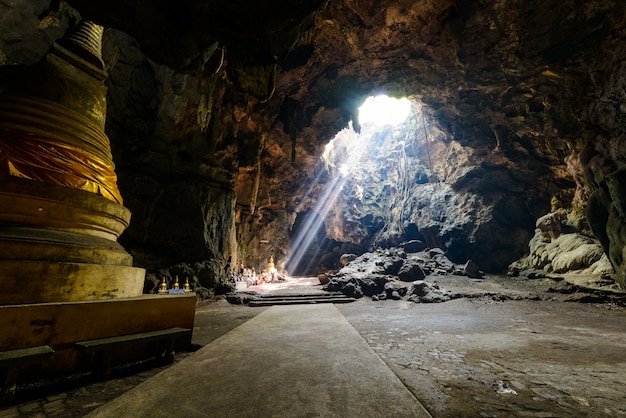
413 272
505 347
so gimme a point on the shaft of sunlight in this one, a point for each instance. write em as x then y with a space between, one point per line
341 155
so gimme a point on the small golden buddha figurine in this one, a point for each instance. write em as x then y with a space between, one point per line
176 285
163 286
271 270
186 286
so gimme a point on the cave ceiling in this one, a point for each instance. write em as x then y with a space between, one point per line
184 35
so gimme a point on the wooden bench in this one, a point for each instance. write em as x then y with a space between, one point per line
9 372
101 348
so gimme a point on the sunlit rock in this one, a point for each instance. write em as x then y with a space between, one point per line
558 246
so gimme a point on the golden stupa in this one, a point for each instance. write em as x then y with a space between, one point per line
61 211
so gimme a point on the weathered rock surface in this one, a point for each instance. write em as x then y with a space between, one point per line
423 292
176 178
562 245
370 275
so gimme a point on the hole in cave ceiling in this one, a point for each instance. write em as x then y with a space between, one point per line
383 110
342 189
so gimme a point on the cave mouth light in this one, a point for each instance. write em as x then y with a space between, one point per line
341 163
383 110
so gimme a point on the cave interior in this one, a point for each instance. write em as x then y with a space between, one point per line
218 131
235 138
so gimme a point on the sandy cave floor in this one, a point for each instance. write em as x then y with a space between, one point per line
508 348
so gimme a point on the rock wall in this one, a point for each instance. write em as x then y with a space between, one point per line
175 167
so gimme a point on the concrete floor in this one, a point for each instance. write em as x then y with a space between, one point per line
486 358
509 349
289 361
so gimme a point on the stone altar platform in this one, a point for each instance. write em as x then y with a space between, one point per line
61 325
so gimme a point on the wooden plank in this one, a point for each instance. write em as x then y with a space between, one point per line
22 355
110 342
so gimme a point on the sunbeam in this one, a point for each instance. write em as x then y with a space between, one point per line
341 154
307 232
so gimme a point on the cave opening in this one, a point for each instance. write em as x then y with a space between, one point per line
362 184
382 110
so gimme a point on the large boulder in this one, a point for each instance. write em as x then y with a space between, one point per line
409 272
471 270
413 246
424 292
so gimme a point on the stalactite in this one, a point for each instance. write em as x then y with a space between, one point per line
257 177
496 134
293 146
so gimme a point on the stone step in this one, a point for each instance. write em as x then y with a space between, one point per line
270 300
301 295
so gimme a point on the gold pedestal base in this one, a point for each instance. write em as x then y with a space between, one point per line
42 281
59 244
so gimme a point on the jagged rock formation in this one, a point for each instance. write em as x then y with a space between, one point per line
563 244
386 274
219 112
